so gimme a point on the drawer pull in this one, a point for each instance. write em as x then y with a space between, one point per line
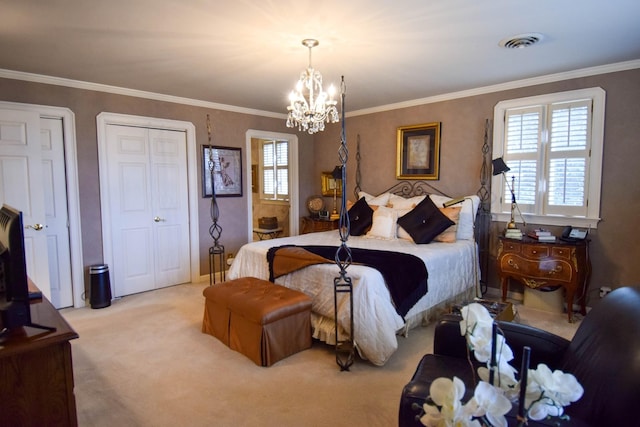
534 252
513 264
556 270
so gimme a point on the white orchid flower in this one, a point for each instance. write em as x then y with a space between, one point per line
489 402
548 392
447 394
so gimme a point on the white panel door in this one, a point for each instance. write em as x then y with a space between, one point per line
56 212
21 186
170 203
149 208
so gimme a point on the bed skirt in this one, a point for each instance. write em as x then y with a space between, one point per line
323 328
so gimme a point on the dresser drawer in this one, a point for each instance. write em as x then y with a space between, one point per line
561 252
535 251
553 269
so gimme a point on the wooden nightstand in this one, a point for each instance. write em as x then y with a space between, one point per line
313 225
541 264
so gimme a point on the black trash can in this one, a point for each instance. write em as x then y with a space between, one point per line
100 295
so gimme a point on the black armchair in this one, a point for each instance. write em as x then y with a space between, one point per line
604 356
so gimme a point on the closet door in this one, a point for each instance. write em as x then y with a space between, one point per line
149 208
169 200
21 187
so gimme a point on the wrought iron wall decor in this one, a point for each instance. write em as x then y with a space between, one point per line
216 252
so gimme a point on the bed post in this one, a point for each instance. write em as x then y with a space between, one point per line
345 348
484 210
357 189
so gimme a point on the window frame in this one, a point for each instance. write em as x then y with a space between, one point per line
501 210
277 197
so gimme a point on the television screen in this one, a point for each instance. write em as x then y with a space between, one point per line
14 286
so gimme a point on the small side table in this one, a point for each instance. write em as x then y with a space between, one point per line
314 225
264 233
544 264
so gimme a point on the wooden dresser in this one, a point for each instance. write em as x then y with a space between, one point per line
36 373
313 225
542 264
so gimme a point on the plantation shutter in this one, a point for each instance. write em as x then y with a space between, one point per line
522 144
275 170
568 156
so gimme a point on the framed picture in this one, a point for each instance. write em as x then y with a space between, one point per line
227 171
418 152
329 184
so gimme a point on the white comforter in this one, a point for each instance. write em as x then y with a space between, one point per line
376 322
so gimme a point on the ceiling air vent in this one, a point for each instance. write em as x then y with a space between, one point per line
521 41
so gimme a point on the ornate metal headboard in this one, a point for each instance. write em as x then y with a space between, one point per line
483 218
413 188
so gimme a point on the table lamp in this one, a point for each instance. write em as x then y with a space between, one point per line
500 167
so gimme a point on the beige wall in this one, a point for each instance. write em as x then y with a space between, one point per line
228 130
614 249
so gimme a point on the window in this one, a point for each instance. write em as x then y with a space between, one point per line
274 164
553 146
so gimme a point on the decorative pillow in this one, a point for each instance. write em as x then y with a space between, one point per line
467 214
380 200
384 224
425 222
360 217
399 202
449 235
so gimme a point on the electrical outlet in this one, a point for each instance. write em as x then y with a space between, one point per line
604 290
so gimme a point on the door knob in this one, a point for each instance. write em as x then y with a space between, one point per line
158 219
36 227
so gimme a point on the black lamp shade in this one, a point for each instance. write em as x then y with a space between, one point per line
337 172
499 166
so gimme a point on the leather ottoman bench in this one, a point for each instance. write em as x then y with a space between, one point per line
264 321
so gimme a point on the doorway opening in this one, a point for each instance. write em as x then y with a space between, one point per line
272 160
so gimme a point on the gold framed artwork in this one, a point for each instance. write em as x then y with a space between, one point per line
329 183
418 152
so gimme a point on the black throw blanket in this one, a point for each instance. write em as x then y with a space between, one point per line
405 275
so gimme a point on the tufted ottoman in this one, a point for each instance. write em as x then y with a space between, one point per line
264 321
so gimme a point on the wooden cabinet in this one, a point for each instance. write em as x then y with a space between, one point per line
542 264
313 225
36 373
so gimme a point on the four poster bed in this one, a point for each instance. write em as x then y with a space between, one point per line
390 224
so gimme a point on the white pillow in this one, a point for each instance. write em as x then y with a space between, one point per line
467 214
384 224
399 202
380 200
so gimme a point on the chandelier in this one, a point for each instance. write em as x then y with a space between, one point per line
310 106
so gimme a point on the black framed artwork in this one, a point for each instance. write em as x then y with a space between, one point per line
226 163
418 152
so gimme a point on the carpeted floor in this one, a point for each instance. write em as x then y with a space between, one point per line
144 361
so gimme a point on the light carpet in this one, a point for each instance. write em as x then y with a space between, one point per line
144 361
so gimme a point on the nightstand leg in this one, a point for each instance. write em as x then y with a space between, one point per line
504 283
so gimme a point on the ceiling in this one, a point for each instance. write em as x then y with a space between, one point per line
249 54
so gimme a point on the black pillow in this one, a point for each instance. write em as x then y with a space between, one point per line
424 222
360 217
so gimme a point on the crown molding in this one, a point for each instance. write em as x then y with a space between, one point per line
78 84
584 72
516 84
